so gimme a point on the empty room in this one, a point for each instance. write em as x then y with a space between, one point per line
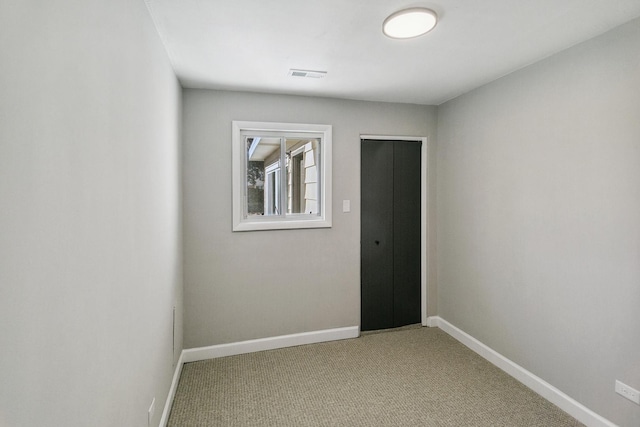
296 213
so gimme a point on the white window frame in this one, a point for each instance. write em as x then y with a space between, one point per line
274 199
241 222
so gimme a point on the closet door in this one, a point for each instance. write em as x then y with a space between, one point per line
406 233
376 238
390 234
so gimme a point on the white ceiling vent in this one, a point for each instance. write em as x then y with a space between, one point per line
307 73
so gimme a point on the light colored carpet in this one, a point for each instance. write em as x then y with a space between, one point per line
408 377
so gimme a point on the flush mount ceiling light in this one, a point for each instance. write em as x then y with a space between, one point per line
409 23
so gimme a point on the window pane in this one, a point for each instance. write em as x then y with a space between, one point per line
281 176
303 190
263 176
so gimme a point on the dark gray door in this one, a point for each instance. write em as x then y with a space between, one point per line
390 233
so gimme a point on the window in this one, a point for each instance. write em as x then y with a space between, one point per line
281 176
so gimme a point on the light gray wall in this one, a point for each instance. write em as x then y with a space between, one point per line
539 218
90 235
245 285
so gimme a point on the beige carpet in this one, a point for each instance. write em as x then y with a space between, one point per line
408 377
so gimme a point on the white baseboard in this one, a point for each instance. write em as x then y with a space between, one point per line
232 349
432 322
242 347
172 392
543 388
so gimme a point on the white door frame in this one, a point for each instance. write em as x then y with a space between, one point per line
423 214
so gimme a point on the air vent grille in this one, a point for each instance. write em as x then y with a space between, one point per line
307 73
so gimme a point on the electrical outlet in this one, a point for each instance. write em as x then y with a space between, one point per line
152 409
627 392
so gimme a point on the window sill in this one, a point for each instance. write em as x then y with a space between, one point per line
281 224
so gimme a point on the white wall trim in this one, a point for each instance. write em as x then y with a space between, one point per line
432 321
172 391
537 384
283 341
424 237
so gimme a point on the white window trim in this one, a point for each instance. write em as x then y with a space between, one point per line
240 223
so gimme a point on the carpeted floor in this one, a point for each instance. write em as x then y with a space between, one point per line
408 377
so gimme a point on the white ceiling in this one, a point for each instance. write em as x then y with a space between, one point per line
250 45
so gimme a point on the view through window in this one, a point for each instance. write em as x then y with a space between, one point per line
284 175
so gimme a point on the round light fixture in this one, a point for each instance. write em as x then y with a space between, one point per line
409 23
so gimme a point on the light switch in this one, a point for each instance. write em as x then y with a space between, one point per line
346 206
